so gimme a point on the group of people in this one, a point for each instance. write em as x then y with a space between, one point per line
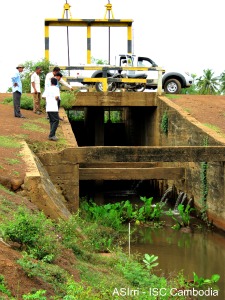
51 95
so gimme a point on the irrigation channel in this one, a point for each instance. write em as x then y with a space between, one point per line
198 250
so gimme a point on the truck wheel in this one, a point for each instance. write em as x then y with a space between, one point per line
172 86
111 87
140 87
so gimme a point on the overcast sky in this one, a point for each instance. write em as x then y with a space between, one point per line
177 35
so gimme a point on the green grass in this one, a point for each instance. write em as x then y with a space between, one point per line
16 173
2 188
213 127
12 161
41 121
33 127
21 136
37 147
187 110
172 96
9 142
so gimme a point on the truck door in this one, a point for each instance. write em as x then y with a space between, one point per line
148 63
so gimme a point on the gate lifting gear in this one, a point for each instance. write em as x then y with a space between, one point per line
132 86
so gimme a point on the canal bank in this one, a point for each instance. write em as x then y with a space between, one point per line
65 162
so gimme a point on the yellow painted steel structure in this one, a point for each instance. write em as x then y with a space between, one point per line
109 10
66 9
105 80
88 23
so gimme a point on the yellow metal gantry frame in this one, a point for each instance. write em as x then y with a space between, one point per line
88 23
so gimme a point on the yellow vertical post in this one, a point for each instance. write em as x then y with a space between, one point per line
46 42
104 84
129 39
88 44
159 89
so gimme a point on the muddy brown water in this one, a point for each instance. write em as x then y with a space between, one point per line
201 251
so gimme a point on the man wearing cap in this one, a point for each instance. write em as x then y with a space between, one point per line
17 91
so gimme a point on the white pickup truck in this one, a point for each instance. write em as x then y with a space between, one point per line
172 82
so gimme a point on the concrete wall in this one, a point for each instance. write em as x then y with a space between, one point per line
143 126
184 130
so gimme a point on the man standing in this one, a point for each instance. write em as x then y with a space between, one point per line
52 74
36 90
52 95
17 91
48 77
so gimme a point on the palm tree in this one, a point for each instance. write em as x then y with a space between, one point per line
207 84
222 83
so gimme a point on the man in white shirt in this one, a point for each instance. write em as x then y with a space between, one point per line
36 90
52 74
52 95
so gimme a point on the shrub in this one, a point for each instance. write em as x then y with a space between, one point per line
26 102
67 99
34 232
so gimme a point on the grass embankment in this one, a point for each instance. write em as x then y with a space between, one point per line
81 241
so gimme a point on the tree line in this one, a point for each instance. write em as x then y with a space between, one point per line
207 84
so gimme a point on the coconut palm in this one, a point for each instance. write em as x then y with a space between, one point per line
222 83
208 84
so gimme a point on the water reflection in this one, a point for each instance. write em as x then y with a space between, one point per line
202 252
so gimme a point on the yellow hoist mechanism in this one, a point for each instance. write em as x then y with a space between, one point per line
109 10
66 9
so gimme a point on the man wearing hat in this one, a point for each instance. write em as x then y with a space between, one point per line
17 91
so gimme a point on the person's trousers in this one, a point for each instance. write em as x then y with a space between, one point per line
16 103
37 102
54 122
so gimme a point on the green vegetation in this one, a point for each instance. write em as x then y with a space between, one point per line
9 142
6 190
33 233
68 99
164 123
99 61
172 96
200 281
183 220
114 215
33 127
204 187
208 84
150 261
3 287
112 116
26 102
43 242
213 127
187 110
38 147
75 115
12 161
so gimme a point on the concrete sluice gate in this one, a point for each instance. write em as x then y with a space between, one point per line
153 145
